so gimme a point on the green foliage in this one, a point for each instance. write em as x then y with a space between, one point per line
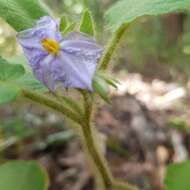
128 10
101 84
179 123
177 176
101 87
110 80
10 71
8 93
15 127
28 81
22 175
87 23
147 43
71 27
21 14
72 8
63 23
143 47
8 74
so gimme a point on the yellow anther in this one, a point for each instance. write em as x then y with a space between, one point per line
50 45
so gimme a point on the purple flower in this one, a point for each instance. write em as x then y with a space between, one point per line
70 61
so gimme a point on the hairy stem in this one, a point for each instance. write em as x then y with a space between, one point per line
88 104
51 103
112 45
89 141
89 138
95 155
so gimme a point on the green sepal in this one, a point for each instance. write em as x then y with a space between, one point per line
87 23
63 23
70 28
110 80
101 87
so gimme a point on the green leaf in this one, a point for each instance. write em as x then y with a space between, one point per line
28 81
2 61
128 10
101 88
8 93
69 28
21 14
11 71
63 23
178 176
16 72
23 175
87 23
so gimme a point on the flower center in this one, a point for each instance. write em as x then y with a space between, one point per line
50 45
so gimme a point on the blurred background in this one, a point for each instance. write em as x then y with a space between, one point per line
147 126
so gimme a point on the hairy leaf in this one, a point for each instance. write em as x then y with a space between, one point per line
21 14
28 81
10 72
23 175
8 93
128 10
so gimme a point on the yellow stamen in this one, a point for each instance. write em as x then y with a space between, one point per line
50 45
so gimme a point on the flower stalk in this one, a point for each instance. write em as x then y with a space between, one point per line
103 172
112 45
98 159
89 141
88 137
51 103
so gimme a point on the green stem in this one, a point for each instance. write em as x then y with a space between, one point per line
89 139
88 136
123 186
100 163
89 142
95 155
112 45
88 105
49 102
